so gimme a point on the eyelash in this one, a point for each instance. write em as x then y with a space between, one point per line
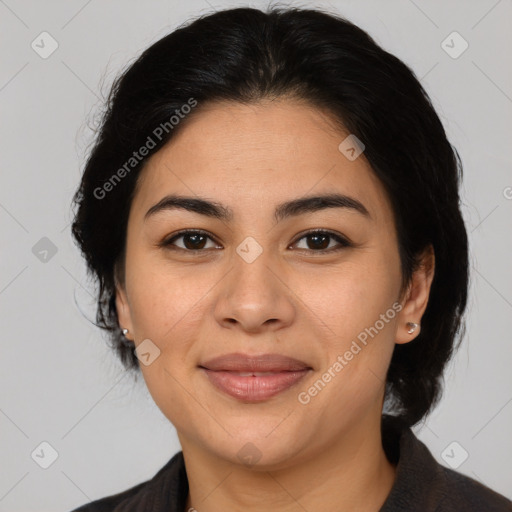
168 243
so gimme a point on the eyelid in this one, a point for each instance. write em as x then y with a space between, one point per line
166 242
342 240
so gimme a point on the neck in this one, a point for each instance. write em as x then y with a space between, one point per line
351 474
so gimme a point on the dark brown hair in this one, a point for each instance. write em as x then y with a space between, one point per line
244 55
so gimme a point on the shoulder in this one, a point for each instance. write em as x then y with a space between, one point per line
460 492
421 483
109 503
169 483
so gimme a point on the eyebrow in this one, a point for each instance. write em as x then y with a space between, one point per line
283 211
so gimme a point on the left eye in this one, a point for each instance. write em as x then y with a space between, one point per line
320 241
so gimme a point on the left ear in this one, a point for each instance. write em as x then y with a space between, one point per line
416 297
123 310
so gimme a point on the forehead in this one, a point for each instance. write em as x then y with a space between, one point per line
250 156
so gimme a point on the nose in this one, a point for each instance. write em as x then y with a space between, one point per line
255 297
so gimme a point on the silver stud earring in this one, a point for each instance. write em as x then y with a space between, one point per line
125 332
412 327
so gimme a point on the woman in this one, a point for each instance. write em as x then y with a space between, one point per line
279 245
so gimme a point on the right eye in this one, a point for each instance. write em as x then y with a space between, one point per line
193 241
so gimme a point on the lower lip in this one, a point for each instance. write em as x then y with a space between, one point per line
251 388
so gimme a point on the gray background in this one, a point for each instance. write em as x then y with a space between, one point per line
59 381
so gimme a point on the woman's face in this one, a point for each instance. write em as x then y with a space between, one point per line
256 283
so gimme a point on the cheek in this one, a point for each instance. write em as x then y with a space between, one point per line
166 308
350 299
356 308
164 298
353 374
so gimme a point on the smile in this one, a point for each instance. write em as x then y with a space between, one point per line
254 386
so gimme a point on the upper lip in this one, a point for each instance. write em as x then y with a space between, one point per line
262 363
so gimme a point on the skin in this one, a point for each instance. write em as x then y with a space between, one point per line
327 454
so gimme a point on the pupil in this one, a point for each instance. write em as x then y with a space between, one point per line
197 241
194 238
321 245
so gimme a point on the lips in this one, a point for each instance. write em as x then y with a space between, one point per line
254 378
238 362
